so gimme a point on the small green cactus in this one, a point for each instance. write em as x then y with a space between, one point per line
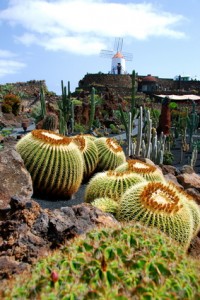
50 122
90 154
111 184
54 162
155 204
111 154
149 172
117 263
106 204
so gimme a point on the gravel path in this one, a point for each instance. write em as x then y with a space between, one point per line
78 198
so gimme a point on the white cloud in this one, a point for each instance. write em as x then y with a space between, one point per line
6 53
82 26
9 64
10 67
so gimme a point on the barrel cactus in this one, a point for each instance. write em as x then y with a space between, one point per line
193 206
111 184
90 136
106 204
54 162
155 204
111 154
50 122
149 172
90 154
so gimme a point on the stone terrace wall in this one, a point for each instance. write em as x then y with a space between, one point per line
120 83
30 88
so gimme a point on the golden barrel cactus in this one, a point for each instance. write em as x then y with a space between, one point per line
54 162
190 202
106 204
111 184
155 204
90 154
111 154
149 172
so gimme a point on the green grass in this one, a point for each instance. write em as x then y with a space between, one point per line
129 263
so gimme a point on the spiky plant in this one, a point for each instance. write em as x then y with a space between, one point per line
90 136
111 184
131 262
54 162
50 122
90 154
106 204
149 172
111 154
193 206
155 204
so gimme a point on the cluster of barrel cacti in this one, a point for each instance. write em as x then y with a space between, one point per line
131 190
59 164
138 191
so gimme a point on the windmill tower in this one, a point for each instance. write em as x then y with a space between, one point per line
118 64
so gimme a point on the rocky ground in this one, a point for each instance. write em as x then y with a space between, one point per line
30 227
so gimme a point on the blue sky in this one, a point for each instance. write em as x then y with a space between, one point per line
56 40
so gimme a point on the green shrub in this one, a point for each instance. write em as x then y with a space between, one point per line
168 158
11 103
128 263
114 129
79 128
6 108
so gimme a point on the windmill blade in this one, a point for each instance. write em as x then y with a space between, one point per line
106 53
128 56
118 44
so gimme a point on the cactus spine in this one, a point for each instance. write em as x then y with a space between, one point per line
42 102
156 205
106 204
139 135
190 202
54 162
111 184
72 117
92 108
148 145
64 106
129 126
111 154
90 154
192 122
149 172
50 122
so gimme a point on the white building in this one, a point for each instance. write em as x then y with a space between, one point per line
118 65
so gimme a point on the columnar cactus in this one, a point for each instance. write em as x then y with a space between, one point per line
92 108
111 184
54 162
149 172
111 154
155 204
90 154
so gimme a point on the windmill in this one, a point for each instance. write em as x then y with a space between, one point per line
118 65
